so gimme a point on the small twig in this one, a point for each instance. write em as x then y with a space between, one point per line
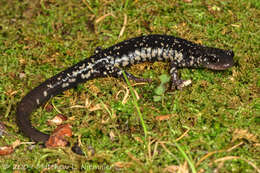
103 17
206 156
54 107
235 146
155 151
134 158
126 92
236 157
123 27
90 9
139 83
166 149
184 134
214 152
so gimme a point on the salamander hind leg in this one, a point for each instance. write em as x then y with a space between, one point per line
118 73
137 79
176 82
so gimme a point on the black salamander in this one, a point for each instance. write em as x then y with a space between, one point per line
108 62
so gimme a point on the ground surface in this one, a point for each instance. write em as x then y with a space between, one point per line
212 125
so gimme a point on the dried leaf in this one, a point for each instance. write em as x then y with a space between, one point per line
164 117
16 143
122 164
96 107
177 168
22 75
171 168
244 134
6 150
112 135
58 120
57 138
138 139
48 108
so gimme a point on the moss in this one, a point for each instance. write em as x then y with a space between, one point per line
39 39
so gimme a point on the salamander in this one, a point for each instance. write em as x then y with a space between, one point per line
111 61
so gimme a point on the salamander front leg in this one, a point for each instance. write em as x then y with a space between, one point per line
176 82
118 73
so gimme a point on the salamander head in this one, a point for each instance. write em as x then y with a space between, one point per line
218 59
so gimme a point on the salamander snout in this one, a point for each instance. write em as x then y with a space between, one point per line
219 59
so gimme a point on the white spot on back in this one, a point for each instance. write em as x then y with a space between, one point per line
159 53
148 51
131 58
170 54
191 62
37 101
179 56
119 73
49 86
172 70
83 66
143 54
137 53
116 64
125 63
72 80
137 58
154 52
65 85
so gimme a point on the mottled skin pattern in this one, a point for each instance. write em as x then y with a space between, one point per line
108 62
